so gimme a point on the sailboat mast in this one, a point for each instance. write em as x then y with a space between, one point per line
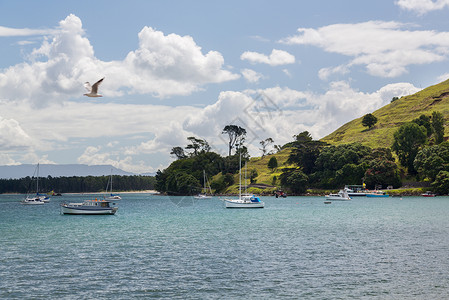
240 176
37 180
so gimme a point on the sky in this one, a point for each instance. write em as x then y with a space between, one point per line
176 69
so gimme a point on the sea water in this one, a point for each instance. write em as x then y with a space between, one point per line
184 248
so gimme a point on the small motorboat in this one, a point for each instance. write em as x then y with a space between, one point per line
377 194
428 194
32 201
89 207
342 195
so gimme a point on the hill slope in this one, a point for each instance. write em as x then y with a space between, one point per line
392 116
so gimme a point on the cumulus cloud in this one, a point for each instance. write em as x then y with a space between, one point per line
386 49
163 65
276 58
12 136
422 6
251 75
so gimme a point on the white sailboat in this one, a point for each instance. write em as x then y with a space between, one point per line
244 201
37 198
112 196
204 195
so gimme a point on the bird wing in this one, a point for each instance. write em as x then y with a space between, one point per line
95 86
87 86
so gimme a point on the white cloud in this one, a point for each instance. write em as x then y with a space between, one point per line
13 137
276 58
443 77
287 72
422 6
163 65
386 49
325 73
251 75
7 160
96 156
7 31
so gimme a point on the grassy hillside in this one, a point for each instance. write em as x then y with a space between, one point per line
392 116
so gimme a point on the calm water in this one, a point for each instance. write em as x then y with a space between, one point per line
181 248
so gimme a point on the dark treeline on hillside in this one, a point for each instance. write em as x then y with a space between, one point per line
77 184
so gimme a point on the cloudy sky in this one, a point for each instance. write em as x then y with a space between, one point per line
175 69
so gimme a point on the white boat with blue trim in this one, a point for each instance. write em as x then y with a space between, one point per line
89 207
245 201
37 198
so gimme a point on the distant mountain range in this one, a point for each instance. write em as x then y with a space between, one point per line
20 171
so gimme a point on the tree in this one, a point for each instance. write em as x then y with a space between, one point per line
277 148
198 145
424 121
369 120
382 172
302 137
441 184
407 141
305 151
253 175
178 152
295 180
438 126
431 160
236 136
265 143
273 163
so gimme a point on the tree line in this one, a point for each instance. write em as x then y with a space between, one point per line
77 184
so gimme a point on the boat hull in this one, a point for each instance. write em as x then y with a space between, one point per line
202 197
32 202
337 198
237 204
70 210
377 196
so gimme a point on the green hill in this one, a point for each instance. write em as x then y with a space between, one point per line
392 116
389 119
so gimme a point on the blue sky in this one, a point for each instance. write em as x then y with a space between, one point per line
175 69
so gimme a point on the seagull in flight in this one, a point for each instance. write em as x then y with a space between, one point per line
93 90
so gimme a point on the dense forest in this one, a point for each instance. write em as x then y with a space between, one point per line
76 184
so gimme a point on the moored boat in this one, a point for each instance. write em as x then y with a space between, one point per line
32 201
428 194
245 201
206 188
37 198
111 196
377 194
342 195
89 207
